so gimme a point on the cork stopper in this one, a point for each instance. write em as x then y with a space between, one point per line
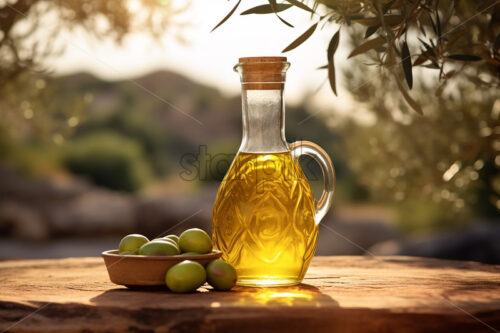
262 73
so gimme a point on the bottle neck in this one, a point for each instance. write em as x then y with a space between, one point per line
263 121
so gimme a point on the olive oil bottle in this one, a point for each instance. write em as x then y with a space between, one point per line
265 219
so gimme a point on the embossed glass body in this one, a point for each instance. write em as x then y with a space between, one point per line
265 219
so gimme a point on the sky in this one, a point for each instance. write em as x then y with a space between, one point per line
208 57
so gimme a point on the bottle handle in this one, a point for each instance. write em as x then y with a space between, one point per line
308 148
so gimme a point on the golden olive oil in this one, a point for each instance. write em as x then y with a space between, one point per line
263 219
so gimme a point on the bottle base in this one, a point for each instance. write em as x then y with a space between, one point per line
267 282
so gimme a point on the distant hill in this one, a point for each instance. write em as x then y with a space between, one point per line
154 94
147 108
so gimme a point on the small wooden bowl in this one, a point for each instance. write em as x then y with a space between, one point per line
146 271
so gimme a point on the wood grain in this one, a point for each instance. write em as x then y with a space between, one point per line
341 294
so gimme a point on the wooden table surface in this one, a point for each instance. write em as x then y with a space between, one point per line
341 294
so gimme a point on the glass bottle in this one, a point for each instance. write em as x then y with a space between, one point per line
265 218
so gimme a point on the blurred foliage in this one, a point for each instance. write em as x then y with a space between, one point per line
424 215
32 31
349 189
23 20
29 111
442 57
446 35
441 169
449 158
34 160
108 160
135 126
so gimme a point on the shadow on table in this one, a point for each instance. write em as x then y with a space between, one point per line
300 295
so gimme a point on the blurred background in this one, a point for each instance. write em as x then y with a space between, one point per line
106 106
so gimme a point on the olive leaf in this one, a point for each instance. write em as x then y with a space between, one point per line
449 74
284 21
368 45
301 39
266 9
411 102
438 21
429 51
300 5
371 30
464 57
432 65
387 6
427 46
330 53
432 24
406 62
227 16
420 60
390 20
274 7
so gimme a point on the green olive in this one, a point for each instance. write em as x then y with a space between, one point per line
195 240
158 248
221 275
185 277
131 243
175 238
166 240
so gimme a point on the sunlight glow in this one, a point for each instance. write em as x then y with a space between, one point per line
215 305
282 296
285 298
134 5
180 47
452 171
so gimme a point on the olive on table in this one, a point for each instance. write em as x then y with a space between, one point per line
185 277
221 275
